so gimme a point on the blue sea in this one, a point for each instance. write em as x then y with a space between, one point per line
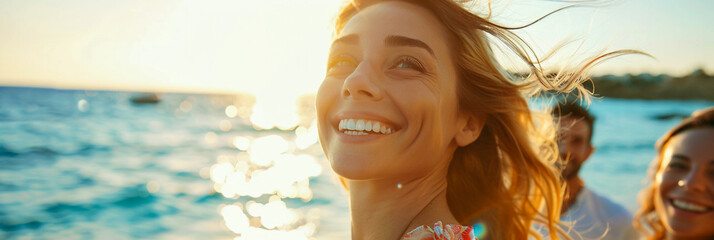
78 164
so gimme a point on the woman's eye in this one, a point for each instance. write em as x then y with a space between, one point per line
404 65
340 62
343 64
677 166
409 63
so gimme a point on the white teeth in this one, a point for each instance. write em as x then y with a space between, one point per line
689 206
363 127
360 125
355 133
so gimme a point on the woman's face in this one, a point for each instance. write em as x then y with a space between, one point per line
388 105
684 198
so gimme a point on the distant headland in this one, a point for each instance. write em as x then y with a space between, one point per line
694 86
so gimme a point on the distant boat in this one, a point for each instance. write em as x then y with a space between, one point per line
146 98
670 116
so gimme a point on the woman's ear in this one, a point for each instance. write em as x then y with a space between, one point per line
468 128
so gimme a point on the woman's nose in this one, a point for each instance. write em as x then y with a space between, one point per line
693 181
362 84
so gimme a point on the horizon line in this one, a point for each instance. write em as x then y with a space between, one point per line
36 83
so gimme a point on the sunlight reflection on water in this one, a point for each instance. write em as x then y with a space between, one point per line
271 111
269 166
188 166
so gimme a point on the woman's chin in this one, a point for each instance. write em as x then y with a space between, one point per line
690 231
352 171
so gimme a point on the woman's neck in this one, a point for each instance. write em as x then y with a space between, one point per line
381 209
670 236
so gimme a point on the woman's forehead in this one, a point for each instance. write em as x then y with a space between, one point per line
695 144
396 18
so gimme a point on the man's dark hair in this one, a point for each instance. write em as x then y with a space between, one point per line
574 110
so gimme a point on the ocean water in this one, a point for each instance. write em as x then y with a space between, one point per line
78 164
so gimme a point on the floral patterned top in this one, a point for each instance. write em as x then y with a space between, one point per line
440 232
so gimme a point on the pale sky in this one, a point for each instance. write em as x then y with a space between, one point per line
280 46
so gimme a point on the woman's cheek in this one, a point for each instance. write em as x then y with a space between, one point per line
325 95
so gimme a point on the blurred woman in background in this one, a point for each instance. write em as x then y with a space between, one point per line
428 133
680 202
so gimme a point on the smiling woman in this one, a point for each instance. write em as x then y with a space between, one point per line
427 132
680 202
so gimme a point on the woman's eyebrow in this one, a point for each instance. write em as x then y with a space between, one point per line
680 157
400 41
351 39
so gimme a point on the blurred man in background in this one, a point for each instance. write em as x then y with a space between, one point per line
591 215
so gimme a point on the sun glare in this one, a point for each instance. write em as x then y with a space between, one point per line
274 48
275 110
267 166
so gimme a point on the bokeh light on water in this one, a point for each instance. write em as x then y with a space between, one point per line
266 169
271 111
88 165
306 136
268 166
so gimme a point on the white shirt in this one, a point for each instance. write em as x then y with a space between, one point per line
594 216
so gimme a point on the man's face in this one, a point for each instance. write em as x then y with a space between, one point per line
574 145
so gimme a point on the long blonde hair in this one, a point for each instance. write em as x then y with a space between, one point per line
506 179
646 219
